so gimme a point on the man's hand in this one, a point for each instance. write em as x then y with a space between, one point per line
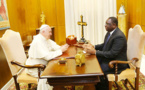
91 51
88 45
89 48
64 47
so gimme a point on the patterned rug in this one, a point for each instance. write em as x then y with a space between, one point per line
24 86
141 83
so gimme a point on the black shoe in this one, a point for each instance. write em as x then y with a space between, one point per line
103 85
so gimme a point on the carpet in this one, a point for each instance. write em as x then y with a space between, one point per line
141 83
24 86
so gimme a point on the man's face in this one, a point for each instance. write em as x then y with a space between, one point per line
109 25
48 32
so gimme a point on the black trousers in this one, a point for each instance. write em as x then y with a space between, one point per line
103 84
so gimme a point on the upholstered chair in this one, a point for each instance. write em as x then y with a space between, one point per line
135 47
13 48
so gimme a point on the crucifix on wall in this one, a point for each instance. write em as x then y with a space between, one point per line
82 40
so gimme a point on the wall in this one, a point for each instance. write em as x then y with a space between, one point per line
24 17
135 10
54 11
5 74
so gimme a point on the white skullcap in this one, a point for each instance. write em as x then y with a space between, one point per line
43 26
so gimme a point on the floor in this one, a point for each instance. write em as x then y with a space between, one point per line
142 81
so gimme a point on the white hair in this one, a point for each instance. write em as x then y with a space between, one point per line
43 26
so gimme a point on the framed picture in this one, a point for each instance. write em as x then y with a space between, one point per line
4 21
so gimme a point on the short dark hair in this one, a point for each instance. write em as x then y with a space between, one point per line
114 20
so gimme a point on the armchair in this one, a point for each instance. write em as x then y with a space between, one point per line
13 48
135 47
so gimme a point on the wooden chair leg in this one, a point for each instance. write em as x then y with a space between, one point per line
130 84
125 84
136 84
137 79
110 85
16 83
118 88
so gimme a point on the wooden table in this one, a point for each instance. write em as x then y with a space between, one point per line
70 74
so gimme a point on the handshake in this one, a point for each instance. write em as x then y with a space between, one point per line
89 48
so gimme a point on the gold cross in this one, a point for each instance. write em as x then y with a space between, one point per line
82 24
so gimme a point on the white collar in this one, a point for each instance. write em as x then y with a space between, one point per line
42 37
112 31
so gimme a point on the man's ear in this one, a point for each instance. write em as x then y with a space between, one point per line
114 25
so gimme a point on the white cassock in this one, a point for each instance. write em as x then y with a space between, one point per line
40 52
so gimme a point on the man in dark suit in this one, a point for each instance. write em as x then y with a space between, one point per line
113 48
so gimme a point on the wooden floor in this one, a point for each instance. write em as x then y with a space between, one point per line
90 87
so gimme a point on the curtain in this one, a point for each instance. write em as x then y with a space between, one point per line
95 14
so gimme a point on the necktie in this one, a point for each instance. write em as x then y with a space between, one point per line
108 36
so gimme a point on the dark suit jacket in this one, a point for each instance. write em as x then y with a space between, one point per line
115 49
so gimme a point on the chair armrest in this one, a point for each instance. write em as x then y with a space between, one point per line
111 63
28 66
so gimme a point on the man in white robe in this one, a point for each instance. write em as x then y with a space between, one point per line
43 49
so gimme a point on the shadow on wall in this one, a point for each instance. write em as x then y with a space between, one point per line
5 74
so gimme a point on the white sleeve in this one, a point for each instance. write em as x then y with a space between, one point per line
54 45
39 49
52 54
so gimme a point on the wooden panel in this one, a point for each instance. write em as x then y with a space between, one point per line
21 19
134 10
131 25
61 35
143 13
138 7
24 16
60 22
143 28
32 16
49 9
131 11
12 14
60 12
2 32
5 74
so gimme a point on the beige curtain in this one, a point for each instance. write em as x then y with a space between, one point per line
95 13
